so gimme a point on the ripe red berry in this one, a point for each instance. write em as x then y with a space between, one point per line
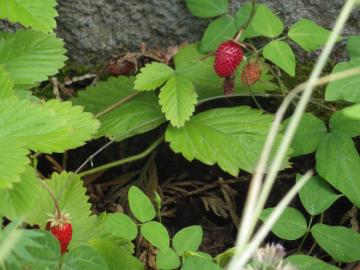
250 74
228 57
61 228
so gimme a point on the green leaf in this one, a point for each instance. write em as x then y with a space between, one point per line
115 257
280 53
338 162
177 99
195 262
317 195
339 242
290 226
68 189
207 8
347 120
303 262
309 134
136 116
140 205
121 225
234 138
347 89
21 199
156 234
188 239
42 252
353 46
266 23
13 161
153 76
242 15
167 259
219 30
30 57
39 14
6 85
53 126
83 257
308 35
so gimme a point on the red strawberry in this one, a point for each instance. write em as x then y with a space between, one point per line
229 85
250 74
228 57
61 228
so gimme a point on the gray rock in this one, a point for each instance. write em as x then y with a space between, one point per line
96 29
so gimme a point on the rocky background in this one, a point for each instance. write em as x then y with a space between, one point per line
96 29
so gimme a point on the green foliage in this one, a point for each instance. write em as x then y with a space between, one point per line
140 205
308 35
317 195
29 57
178 99
136 116
187 239
290 226
195 262
347 120
122 226
353 46
207 8
153 76
280 53
234 138
339 242
219 30
303 262
37 14
156 234
308 136
347 89
266 23
167 259
7 86
338 162
243 14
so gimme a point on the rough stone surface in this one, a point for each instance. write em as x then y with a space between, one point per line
96 29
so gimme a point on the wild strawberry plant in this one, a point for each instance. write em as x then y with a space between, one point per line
227 62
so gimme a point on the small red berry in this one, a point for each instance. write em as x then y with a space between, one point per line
228 57
61 228
250 74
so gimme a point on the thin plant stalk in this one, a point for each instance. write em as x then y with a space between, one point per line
238 262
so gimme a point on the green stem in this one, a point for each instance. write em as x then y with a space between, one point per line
124 160
306 234
117 104
253 11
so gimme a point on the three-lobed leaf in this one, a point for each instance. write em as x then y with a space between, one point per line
39 14
152 76
290 226
280 53
207 8
338 162
339 242
156 234
308 35
121 225
140 205
219 30
187 239
177 99
317 195
308 136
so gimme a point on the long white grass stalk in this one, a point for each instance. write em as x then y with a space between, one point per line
255 204
240 261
